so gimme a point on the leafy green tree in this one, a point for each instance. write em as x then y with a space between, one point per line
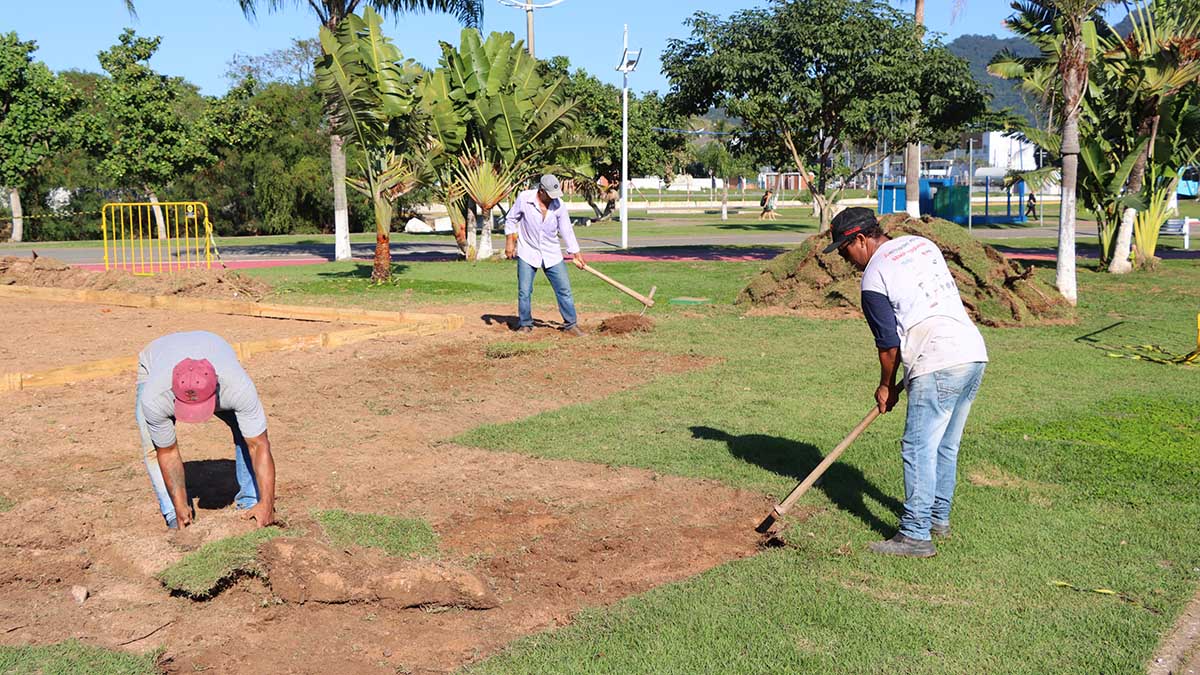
812 78
156 128
36 119
331 13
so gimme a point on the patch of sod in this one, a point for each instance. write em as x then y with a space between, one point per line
202 573
395 536
1076 468
72 657
6 504
506 350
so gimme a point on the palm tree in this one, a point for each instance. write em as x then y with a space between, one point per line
1154 64
912 153
1066 32
330 13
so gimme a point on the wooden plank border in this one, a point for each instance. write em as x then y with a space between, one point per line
92 370
264 310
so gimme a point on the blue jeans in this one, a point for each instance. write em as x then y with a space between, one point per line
559 281
247 495
938 404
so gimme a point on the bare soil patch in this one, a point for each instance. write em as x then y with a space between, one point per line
362 428
41 335
215 283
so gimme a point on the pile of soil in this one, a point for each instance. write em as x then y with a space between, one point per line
621 324
43 271
995 290
302 570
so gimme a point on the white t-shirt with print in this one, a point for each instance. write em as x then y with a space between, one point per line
934 328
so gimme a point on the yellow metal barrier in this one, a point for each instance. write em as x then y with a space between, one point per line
132 242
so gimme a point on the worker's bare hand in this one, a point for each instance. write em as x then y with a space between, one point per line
579 261
262 513
510 251
183 516
886 397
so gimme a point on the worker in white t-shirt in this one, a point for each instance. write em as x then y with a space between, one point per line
914 310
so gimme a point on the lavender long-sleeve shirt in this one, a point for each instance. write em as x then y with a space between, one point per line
537 237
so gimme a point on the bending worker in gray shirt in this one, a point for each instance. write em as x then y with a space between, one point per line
190 377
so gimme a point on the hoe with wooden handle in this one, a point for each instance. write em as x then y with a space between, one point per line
786 505
646 301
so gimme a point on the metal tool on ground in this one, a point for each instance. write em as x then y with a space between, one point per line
786 505
647 301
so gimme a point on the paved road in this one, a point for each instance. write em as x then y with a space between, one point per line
293 254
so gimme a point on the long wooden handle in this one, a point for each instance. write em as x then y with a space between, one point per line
620 286
786 505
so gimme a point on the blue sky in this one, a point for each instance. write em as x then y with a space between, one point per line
200 36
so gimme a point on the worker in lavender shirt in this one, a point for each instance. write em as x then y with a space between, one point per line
534 224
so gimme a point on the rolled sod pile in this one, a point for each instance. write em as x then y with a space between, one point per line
995 290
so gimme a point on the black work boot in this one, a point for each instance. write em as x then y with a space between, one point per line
904 546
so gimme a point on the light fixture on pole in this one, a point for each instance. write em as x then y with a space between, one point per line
529 6
629 61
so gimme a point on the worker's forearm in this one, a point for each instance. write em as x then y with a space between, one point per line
889 362
511 239
264 468
170 462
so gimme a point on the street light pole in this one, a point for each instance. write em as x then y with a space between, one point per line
629 61
529 6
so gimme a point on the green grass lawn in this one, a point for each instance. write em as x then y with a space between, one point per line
1076 468
395 536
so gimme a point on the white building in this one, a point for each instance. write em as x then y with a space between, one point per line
1007 152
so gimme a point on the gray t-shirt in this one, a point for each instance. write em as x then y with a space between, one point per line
235 390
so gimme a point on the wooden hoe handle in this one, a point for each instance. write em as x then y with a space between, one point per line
620 286
786 505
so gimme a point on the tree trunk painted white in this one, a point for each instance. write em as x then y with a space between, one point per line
158 214
725 202
18 219
1120 262
341 212
912 153
912 180
472 239
1064 272
485 249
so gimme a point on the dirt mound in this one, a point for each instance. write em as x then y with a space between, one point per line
995 290
621 324
43 271
301 570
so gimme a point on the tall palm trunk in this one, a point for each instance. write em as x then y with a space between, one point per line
725 201
912 152
1073 67
18 219
341 211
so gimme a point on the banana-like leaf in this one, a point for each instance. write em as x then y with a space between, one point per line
383 62
485 181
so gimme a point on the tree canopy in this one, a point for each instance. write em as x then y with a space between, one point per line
810 91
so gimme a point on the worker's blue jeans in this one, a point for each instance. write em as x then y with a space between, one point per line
247 495
938 405
559 281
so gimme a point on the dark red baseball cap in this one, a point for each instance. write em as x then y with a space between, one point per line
849 223
194 383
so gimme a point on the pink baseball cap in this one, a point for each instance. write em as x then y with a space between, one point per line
195 386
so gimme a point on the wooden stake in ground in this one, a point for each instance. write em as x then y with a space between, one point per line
647 301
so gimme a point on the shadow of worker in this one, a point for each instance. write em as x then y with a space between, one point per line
211 482
843 484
